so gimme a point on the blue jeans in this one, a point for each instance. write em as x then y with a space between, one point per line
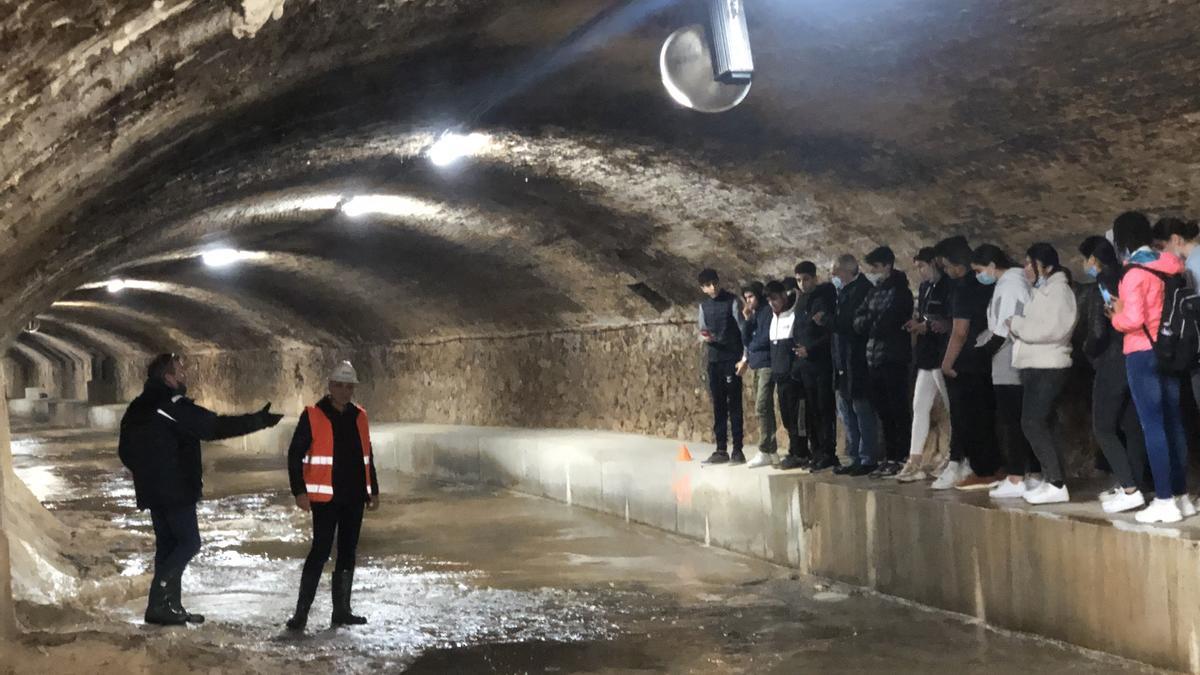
862 436
1156 397
176 537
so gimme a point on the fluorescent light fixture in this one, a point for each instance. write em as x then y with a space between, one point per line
224 257
387 205
452 147
115 286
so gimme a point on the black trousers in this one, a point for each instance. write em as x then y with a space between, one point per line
820 409
1117 427
893 404
176 537
973 421
726 389
791 393
332 519
1019 457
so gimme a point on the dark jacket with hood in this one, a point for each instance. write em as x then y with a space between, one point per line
1103 345
881 318
160 444
932 305
756 335
815 337
850 348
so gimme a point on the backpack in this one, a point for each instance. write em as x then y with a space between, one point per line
1177 346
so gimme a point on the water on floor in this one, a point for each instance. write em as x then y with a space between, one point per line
467 579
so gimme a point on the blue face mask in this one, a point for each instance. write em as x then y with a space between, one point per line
1092 272
838 283
1142 257
985 278
1108 298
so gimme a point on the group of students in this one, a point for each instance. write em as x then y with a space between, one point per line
989 337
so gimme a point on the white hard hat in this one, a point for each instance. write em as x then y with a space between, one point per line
344 373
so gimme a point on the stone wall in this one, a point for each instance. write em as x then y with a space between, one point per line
646 379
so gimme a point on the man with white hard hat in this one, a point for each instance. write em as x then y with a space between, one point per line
332 473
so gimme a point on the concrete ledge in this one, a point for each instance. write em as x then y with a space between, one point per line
55 411
106 416
1063 572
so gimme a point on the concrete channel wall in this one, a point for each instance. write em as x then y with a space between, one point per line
1061 573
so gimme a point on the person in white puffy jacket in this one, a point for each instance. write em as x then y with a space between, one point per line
1042 354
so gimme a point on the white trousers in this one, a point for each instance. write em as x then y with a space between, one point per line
930 385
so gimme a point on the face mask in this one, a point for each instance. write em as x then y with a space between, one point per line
874 278
1106 295
838 283
985 278
1092 272
1040 282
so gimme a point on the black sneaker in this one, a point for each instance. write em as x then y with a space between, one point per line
822 463
846 469
863 470
718 457
737 457
793 462
890 469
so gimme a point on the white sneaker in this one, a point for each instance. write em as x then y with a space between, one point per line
1115 491
1033 481
912 477
949 476
762 459
1008 490
1160 511
1186 508
1048 494
1123 501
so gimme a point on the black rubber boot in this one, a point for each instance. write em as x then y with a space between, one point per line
175 599
308 591
158 607
343 581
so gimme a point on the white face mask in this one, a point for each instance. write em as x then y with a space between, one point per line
874 278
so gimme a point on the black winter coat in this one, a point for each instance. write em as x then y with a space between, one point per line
817 338
850 348
881 318
160 444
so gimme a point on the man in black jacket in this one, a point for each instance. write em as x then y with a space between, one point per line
160 445
757 361
816 306
881 318
331 468
720 327
850 369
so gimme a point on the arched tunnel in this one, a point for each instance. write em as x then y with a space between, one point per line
248 183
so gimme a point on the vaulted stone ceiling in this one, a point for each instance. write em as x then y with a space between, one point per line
135 134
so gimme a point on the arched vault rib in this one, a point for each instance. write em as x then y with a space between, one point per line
282 323
104 340
155 323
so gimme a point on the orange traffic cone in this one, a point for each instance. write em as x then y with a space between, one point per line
684 455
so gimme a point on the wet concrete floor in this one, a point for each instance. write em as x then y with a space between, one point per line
466 579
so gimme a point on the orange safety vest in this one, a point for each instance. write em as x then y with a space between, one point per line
318 463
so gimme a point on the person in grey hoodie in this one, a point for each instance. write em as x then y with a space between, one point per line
993 267
1042 353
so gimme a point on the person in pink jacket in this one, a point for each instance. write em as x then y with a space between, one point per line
1137 314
